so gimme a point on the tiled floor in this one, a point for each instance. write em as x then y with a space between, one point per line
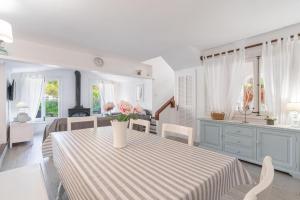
284 187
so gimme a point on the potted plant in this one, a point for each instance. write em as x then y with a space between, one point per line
270 120
120 123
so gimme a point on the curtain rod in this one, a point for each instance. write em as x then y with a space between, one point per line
247 47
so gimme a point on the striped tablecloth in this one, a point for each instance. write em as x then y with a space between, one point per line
150 167
47 147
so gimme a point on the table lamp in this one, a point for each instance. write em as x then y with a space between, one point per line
294 109
22 115
5 35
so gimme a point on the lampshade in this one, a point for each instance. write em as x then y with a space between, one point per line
22 105
293 107
5 32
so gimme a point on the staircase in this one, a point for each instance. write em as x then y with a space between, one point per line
153 126
155 119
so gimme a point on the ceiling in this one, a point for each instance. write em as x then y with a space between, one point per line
143 29
21 67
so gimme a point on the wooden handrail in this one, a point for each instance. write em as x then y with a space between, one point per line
170 102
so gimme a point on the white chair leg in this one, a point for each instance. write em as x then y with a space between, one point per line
60 192
191 140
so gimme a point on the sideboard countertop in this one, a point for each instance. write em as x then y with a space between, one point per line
250 124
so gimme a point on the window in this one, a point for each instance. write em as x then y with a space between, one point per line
253 91
248 93
96 99
51 98
49 105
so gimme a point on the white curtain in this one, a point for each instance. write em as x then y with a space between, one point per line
280 62
107 93
224 76
216 82
29 91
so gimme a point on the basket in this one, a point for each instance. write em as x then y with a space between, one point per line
217 116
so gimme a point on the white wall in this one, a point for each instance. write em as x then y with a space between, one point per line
163 82
127 92
66 78
74 58
3 104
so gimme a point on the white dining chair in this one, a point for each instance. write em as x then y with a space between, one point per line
261 191
26 183
140 122
72 120
168 129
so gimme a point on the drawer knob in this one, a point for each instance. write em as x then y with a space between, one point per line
238 152
238 142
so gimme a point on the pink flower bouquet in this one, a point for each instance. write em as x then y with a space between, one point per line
128 111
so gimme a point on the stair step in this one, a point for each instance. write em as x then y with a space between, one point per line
153 132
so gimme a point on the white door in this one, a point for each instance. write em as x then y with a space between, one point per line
185 98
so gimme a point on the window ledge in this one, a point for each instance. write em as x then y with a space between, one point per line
251 118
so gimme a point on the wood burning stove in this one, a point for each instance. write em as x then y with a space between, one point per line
78 110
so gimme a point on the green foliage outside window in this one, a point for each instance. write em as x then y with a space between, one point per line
51 108
52 88
96 99
51 94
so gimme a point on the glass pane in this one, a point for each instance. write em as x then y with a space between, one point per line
96 106
51 98
262 95
39 113
247 95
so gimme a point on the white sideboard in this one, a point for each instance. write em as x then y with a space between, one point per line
20 132
252 142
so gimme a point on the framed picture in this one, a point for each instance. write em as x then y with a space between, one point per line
140 93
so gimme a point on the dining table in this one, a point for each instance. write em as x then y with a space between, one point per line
149 167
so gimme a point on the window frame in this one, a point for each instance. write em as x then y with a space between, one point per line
43 99
257 113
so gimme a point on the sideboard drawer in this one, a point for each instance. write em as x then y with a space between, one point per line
211 135
239 152
239 140
238 130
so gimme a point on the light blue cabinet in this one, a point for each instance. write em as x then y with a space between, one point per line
277 144
240 141
252 143
214 138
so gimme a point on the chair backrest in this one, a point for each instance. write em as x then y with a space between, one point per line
81 119
140 122
262 190
23 183
182 130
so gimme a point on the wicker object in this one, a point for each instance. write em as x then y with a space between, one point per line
217 116
270 121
